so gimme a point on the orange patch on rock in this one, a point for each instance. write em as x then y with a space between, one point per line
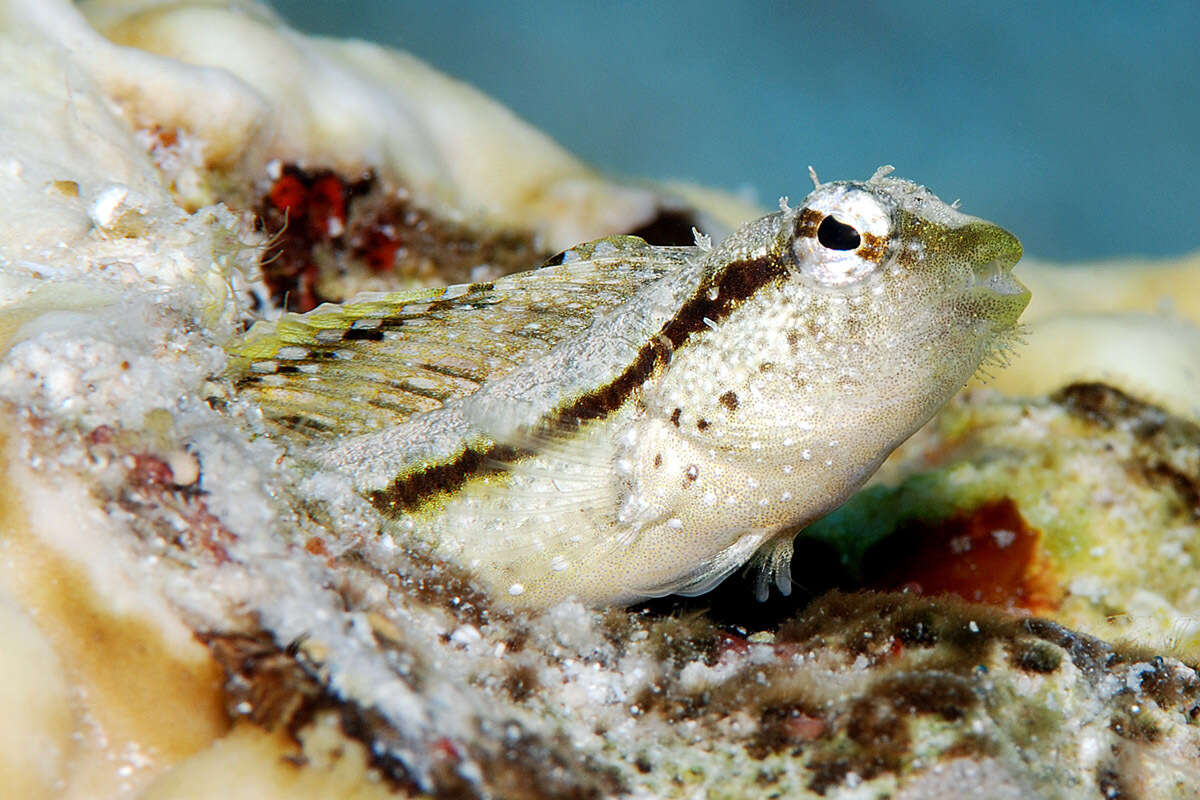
989 555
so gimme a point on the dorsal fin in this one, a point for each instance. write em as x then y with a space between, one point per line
374 362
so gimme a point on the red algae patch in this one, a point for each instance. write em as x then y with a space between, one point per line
329 233
988 555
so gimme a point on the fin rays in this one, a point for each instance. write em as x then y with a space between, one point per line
352 369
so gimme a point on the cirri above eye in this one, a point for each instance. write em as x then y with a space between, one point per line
850 239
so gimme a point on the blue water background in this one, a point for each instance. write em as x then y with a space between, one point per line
1074 124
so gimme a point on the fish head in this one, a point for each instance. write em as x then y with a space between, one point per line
828 334
915 265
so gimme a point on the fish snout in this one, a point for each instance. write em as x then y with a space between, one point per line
993 252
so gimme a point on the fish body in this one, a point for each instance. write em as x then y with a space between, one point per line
630 421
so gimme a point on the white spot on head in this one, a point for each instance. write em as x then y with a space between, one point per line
675 523
516 589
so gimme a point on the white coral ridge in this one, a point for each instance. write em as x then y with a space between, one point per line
120 279
253 91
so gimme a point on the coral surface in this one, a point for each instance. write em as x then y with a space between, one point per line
1009 611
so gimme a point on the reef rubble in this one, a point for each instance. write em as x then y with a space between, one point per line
1011 609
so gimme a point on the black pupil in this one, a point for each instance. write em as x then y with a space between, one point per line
837 235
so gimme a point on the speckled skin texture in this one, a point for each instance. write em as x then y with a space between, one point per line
711 403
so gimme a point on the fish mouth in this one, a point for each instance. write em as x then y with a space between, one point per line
996 277
994 253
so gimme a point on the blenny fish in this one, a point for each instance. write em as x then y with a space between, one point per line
629 421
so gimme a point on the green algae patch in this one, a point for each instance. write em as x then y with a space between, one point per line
1083 506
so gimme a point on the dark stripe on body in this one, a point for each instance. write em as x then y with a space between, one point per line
734 285
409 492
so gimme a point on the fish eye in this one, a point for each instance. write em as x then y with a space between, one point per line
837 235
841 234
